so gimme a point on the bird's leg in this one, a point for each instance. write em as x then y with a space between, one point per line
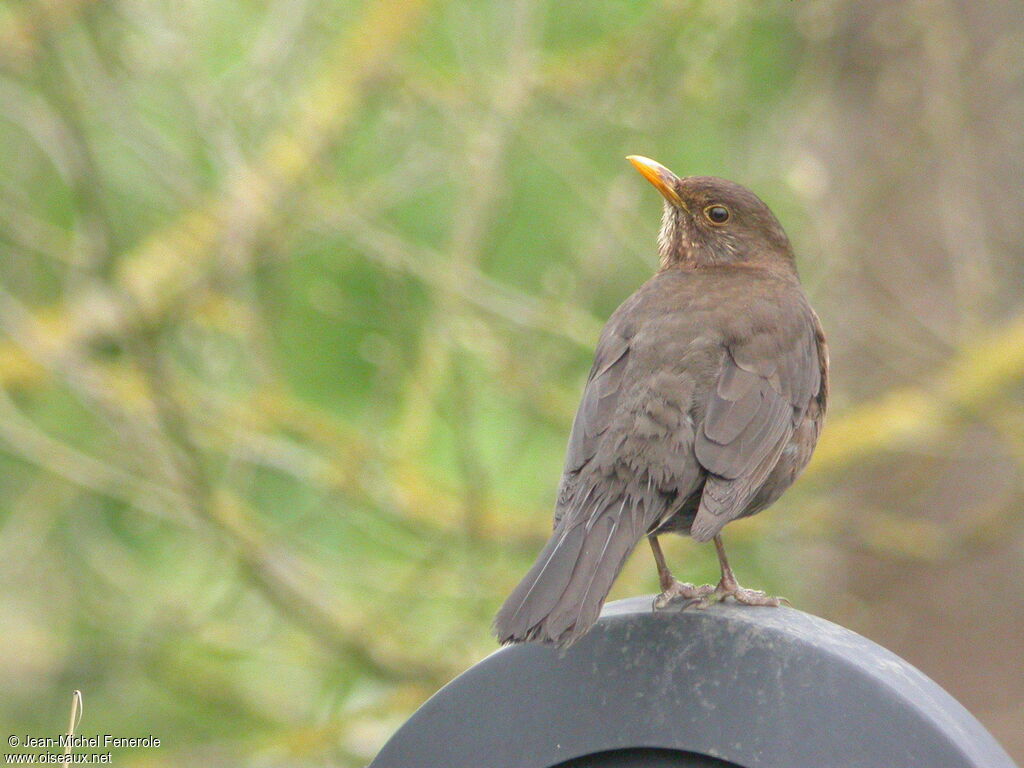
729 587
670 587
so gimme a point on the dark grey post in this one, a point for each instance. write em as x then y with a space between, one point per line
729 686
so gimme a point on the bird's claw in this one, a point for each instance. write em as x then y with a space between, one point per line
740 595
680 589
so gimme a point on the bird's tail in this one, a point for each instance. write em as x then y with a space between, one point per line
561 597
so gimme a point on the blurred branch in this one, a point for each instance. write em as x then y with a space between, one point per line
287 584
700 29
600 61
23 31
278 575
58 348
173 261
926 540
482 183
472 287
341 461
26 440
976 375
266 565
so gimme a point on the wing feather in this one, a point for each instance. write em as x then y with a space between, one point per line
763 391
600 398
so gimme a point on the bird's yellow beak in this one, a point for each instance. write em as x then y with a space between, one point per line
661 177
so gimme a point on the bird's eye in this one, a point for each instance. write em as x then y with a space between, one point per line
717 214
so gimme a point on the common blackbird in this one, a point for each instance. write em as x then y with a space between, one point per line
704 403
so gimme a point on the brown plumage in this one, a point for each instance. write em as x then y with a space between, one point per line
704 403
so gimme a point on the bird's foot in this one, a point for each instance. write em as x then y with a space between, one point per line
740 594
680 589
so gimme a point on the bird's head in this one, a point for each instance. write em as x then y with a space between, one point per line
710 221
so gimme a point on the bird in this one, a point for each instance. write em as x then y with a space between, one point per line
705 401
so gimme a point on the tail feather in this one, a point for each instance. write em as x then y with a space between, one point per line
561 596
539 591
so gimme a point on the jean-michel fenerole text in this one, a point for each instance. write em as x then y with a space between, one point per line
105 740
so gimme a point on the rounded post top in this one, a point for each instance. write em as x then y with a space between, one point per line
755 687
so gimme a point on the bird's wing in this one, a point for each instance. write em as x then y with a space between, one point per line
594 415
763 390
600 398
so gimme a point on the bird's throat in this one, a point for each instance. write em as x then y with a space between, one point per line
674 243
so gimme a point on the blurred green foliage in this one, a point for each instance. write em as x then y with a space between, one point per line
296 302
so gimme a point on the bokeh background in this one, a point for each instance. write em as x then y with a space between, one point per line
297 298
